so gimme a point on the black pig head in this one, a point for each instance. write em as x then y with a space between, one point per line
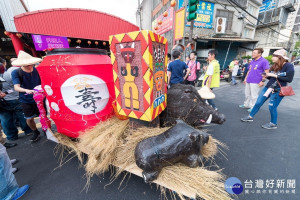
185 103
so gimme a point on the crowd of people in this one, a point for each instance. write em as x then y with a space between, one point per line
256 71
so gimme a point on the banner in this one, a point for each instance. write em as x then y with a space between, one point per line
268 5
179 24
205 13
42 42
167 22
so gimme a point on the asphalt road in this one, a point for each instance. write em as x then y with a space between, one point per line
254 154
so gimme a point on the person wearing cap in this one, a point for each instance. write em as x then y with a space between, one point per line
212 75
283 71
12 109
25 79
253 79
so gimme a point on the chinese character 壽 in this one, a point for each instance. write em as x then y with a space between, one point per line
88 98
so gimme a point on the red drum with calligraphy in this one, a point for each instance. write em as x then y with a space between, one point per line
79 87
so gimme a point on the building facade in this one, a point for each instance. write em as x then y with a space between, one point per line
275 26
236 38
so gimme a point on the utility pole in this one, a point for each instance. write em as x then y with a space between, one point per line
140 13
191 31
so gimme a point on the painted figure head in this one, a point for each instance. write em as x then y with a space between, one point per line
127 52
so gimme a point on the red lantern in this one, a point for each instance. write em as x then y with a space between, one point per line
69 40
159 22
173 3
19 35
89 42
156 28
96 43
104 43
6 33
165 14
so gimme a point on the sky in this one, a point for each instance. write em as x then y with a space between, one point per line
125 9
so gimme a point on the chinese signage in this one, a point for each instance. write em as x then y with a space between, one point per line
268 5
167 22
42 42
179 24
205 13
270 186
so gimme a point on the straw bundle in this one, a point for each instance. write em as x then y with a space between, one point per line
100 142
206 184
114 142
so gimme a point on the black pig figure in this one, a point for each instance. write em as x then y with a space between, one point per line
181 143
185 103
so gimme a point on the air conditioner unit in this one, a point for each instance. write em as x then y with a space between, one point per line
220 25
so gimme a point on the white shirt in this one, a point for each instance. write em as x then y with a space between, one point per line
235 70
210 70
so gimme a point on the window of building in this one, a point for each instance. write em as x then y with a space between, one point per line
261 17
229 17
251 9
248 32
296 28
297 21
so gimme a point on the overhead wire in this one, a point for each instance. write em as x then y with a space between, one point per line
238 5
263 33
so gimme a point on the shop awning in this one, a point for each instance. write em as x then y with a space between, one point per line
70 22
226 39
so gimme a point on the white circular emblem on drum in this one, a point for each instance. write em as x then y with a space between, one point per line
85 94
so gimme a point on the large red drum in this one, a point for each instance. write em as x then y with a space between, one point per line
79 88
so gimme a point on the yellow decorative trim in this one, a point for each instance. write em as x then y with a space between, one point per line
133 35
120 37
132 115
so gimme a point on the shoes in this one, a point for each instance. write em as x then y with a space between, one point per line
20 192
269 125
9 145
14 170
35 137
13 161
249 110
28 134
243 106
12 139
247 119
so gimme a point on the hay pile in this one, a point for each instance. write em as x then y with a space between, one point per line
113 142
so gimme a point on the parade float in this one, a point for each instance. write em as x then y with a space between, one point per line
118 111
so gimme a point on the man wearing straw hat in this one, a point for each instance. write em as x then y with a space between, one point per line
25 79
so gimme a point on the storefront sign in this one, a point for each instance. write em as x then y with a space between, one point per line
179 24
268 5
42 42
167 22
205 13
